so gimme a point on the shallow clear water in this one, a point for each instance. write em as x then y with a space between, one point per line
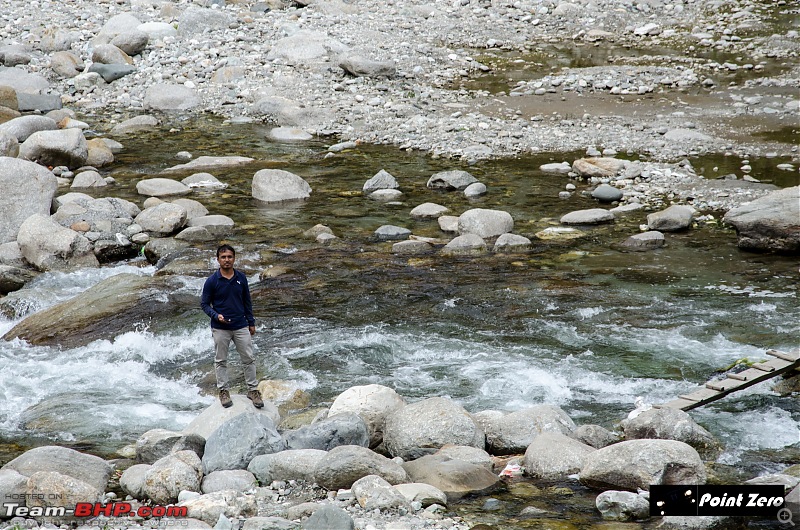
576 324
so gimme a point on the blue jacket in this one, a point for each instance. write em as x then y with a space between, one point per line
230 298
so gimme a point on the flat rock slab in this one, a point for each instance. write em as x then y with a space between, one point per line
205 163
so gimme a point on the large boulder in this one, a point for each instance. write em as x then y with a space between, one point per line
623 506
345 464
28 189
296 464
161 187
676 217
346 428
235 479
50 488
158 443
115 305
770 223
422 428
374 493
92 470
64 147
455 478
194 20
132 480
170 98
49 246
553 456
23 127
598 167
162 219
330 517
305 47
591 216
215 415
167 477
512 433
211 506
451 180
636 464
667 423
276 185
9 145
373 403
382 180
485 223
237 441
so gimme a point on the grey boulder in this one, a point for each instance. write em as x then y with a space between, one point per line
65 147
373 403
276 185
512 433
455 478
591 216
374 493
606 193
236 480
650 240
363 67
667 423
89 469
49 246
346 428
237 441
345 464
676 217
24 126
297 464
485 223
28 189
382 180
623 506
554 456
451 180
770 223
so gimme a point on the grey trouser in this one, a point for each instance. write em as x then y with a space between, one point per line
244 345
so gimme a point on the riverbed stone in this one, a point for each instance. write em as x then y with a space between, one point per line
476 189
110 54
134 125
236 480
9 145
161 187
88 179
622 506
360 66
636 464
667 423
675 218
485 223
44 103
595 436
329 516
391 233
512 433
157 31
511 243
209 163
111 72
465 245
425 494
770 223
162 219
345 464
428 210
23 82
553 455
66 147
382 180
13 486
166 97
14 278
89 469
228 503
386 195
132 42
465 453
132 480
591 216
28 189
606 193
24 126
203 180
168 476
411 248
49 246
215 415
237 441
66 64
99 154
455 478
451 180
277 185
373 403
345 428
652 239
305 47
289 134
158 443
597 167
374 493
44 487
218 225
292 464
423 427
194 209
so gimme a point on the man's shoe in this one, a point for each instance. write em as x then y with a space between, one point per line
225 398
255 397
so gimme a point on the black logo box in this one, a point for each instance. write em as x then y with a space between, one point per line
732 501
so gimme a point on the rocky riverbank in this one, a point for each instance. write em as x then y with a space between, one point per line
370 460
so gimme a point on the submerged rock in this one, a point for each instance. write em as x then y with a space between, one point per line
769 223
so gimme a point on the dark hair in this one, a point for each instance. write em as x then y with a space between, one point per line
223 248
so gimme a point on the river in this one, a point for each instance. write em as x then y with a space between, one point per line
579 324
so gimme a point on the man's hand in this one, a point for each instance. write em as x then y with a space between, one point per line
251 329
221 318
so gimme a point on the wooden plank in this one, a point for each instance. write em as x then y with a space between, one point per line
782 355
738 377
764 367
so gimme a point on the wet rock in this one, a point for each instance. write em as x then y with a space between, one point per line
511 243
88 469
289 134
673 219
553 455
135 125
276 185
228 503
382 180
158 443
694 522
428 210
451 180
425 426
373 403
217 225
236 480
591 216
215 415
170 98
345 428
623 506
386 195
292 464
48 246
203 180
237 441
345 464
18 202
512 433
606 193
556 167
391 233
209 163
769 223
99 154
363 67
411 248
672 424
14 278
485 223
645 241
636 464
56 148
455 478
466 245
476 189
594 435
162 219
448 223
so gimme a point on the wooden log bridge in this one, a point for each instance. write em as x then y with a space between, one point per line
781 363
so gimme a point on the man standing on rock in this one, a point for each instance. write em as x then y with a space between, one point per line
226 299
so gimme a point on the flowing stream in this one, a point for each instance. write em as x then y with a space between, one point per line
576 324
